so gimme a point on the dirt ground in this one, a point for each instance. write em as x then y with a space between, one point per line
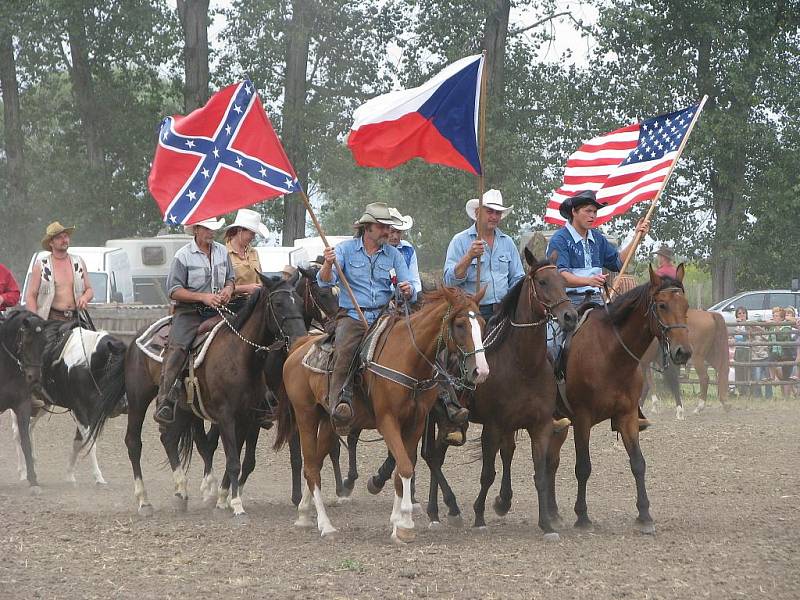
723 487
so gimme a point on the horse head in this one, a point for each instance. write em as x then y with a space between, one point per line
548 289
285 308
23 340
462 333
668 314
318 302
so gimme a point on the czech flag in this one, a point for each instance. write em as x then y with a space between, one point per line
437 122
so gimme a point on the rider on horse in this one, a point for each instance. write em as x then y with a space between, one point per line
367 262
201 279
396 234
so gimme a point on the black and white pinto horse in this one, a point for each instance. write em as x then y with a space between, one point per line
81 370
22 343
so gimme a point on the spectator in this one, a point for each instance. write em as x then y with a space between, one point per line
9 289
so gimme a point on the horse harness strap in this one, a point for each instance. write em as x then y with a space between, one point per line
192 385
415 385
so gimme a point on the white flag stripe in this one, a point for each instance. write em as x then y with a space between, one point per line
601 154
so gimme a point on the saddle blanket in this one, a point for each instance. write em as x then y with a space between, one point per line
319 357
153 342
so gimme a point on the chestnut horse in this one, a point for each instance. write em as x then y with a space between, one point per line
449 322
708 335
603 380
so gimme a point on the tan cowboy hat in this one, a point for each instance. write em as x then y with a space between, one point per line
52 231
379 212
212 224
408 222
289 270
491 199
250 220
666 252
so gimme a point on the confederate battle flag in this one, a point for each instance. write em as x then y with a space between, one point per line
221 157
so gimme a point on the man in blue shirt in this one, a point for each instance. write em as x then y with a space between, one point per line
396 234
367 262
501 267
583 253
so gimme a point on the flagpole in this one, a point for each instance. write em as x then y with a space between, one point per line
638 237
481 142
342 276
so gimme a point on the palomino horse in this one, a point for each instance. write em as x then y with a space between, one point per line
22 344
603 380
231 385
448 322
708 336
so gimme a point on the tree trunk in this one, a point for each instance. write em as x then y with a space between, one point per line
494 42
293 131
194 19
17 188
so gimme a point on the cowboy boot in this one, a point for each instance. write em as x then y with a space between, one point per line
270 411
342 409
456 414
170 371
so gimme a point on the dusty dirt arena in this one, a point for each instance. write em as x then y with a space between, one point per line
723 487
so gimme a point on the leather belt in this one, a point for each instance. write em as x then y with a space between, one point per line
67 314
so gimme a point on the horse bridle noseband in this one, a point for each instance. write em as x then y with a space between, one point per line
22 364
442 350
533 295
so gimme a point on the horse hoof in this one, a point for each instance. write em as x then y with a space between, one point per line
646 528
146 510
304 523
456 521
328 533
483 529
435 525
101 483
585 524
501 507
679 414
181 503
372 486
416 509
342 500
35 490
552 537
403 535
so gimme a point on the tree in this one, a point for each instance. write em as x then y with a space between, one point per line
194 20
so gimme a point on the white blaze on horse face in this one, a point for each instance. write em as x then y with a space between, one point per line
80 347
480 357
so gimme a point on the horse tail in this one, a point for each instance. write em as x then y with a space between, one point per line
112 400
186 442
285 419
719 347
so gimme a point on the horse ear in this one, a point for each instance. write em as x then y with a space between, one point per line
529 257
268 282
680 272
481 292
655 279
448 294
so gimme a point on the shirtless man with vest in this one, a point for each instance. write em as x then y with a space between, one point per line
59 286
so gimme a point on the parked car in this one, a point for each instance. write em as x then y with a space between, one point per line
109 273
758 303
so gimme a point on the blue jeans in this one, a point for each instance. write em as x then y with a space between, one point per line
758 373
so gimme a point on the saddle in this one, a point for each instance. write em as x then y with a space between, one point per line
153 342
320 356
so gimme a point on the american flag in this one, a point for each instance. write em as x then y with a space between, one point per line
625 166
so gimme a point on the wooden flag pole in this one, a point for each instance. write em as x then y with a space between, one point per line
342 277
481 141
638 237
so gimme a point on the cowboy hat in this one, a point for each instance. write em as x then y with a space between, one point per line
408 222
250 220
54 229
212 224
491 199
379 212
666 252
579 199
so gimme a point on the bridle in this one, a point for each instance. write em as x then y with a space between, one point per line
443 351
533 295
279 323
310 299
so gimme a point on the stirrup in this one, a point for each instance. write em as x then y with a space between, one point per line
163 420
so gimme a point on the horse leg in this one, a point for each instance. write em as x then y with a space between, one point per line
81 434
629 428
490 444
352 467
23 414
325 439
702 374
312 431
434 457
133 441
722 385
232 436
170 436
249 462
22 469
540 444
206 447
296 462
502 502
672 377
583 468
553 460
376 482
431 457
335 454
404 451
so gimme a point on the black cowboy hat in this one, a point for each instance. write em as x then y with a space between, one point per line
579 199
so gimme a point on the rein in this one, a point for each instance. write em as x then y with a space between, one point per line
279 323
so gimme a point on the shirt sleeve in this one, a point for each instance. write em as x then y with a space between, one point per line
455 252
403 273
178 276
10 290
560 245
230 274
610 257
413 270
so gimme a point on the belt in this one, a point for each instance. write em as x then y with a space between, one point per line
67 314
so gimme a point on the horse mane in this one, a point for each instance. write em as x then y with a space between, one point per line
638 298
462 300
247 310
10 327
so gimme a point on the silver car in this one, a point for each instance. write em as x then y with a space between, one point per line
758 303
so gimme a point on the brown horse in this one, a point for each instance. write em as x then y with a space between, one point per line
449 321
603 380
708 336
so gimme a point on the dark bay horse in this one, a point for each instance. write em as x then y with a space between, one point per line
603 380
708 336
231 382
22 344
450 321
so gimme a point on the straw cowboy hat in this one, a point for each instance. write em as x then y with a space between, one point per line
579 199
491 199
666 252
212 224
379 212
250 220
408 222
52 231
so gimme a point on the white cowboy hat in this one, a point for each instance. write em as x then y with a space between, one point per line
491 199
212 224
250 220
408 222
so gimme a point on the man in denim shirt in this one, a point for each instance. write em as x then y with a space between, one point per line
200 280
501 267
367 262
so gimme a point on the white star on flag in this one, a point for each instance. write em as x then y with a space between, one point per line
205 173
191 195
173 218
263 172
288 182
237 108
190 143
239 162
215 152
228 129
